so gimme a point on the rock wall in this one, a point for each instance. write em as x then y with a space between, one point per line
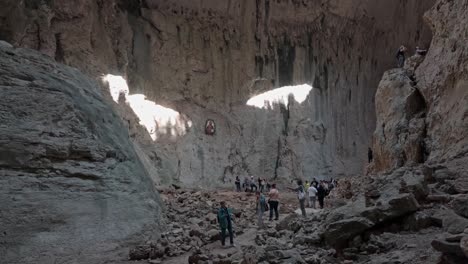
422 109
72 189
205 59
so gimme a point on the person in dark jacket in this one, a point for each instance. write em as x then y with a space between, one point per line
401 56
238 184
225 223
321 193
370 155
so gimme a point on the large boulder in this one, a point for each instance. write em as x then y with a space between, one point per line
400 130
71 186
338 233
451 222
450 248
460 205
351 220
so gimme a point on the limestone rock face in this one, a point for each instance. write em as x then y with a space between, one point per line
205 59
72 189
444 86
422 109
400 132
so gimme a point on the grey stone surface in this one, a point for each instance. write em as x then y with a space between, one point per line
72 189
205 59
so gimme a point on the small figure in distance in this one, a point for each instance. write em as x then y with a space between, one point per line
252 184
300 196
238 184
370 155
261 208
401 56
273 201
421 52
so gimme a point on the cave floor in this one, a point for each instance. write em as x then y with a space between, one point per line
191 227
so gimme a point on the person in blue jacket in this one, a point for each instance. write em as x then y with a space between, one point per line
225 223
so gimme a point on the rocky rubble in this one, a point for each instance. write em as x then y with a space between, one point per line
394 221
191 222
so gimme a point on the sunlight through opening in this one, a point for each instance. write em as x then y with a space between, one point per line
280 96
158 120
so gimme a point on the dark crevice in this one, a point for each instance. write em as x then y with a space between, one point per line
286 57
284 109
259 66
59 53
132 7
415 104
267 15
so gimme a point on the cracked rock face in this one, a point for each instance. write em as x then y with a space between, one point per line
422 109
70 180
206 60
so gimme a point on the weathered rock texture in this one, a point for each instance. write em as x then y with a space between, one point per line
422 110
206 58
72 189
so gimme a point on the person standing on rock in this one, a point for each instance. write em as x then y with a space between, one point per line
252 184
261 208
225 223
401 56
273 201
246 184
238 184
321 193
300 196
312 191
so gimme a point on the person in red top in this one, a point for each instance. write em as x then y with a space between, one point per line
273 201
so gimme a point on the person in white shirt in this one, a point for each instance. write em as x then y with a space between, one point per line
312 191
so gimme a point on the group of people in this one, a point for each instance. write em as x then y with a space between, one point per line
267 199
262 205
401 55
250 185
309 193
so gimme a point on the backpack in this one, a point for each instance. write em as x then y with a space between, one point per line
301 194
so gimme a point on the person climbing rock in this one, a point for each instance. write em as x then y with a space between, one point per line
370 155
238 184
273 201
321 193
261 208
401 56
300 196
312 191
225 223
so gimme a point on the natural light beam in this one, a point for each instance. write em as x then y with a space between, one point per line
157 119
280 95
